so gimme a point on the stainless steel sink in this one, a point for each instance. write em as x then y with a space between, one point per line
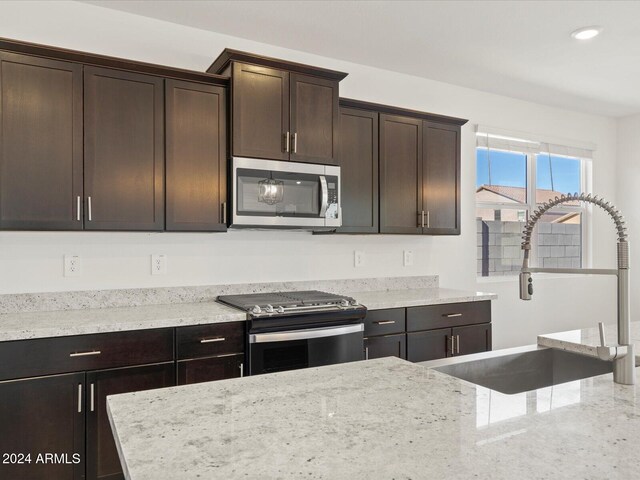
529 370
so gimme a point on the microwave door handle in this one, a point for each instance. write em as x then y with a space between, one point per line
324 195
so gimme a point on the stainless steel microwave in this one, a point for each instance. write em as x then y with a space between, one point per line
275 194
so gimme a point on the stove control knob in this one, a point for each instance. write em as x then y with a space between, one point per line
344 303
256 310
280 309
354 302
268 309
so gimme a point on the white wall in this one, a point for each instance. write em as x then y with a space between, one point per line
33 262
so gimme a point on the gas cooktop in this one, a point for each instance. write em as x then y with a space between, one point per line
282 303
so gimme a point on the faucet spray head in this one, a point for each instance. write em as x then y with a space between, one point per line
526 286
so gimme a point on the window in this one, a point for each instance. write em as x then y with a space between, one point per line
515 177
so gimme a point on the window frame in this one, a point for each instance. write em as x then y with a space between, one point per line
530 205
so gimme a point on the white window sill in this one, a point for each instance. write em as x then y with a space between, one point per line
540 276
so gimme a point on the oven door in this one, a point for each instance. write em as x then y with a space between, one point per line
285 194
312 347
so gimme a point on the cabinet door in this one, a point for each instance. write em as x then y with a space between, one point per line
400 174
314 119
385 346
43 415
40 143
429 345
124 150
472 339
102 457
211 368
358 160
196 156
441 178
260 112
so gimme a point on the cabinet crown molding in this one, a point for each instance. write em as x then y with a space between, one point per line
229 55
93 59
403 112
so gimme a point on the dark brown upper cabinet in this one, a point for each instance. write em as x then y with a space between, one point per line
441 178
400 174
123 150
281 110
314 119
419 169
40 143
196 157
358 161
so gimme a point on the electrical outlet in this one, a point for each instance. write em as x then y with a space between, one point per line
358 258
158 264
72 266
408 258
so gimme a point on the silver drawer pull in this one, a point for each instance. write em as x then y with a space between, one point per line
211 340
385 322
85 354
450 315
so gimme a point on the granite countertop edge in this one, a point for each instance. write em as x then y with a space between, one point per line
47 324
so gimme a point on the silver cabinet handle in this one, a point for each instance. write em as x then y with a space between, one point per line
385 322
80 398
325 196
452 347
428 219
457 344
224 212
366 353
305 334
451 315
89 207
241 370
295 143
212 340
287 141
78 208
91 397
85 354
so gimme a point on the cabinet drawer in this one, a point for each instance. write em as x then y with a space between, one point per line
448 315
208 340
210 369
46 356
384 322
386 346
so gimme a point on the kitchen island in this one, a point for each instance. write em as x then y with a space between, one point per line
378 419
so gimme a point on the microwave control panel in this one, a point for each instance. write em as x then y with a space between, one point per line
332 206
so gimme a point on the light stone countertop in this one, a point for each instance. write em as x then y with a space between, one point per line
586 340
26 325
21 326
379 419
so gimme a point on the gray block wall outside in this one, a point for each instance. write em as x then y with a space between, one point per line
499 252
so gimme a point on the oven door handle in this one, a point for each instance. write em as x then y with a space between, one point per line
307 334
324 196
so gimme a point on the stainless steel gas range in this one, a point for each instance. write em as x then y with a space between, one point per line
291 330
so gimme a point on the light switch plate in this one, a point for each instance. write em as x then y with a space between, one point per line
358 258
408 258
72 266
158 264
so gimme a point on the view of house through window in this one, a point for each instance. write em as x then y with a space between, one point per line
510 185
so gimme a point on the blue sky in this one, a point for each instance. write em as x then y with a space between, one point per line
509 169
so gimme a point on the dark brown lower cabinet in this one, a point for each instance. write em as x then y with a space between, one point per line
448 342
386 346
102 457
428 345
39 416
210 368
472 339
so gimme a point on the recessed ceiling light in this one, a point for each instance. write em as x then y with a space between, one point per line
586 33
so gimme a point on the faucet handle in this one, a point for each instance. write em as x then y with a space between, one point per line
603 342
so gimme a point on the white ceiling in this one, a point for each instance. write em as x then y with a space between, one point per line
520 49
